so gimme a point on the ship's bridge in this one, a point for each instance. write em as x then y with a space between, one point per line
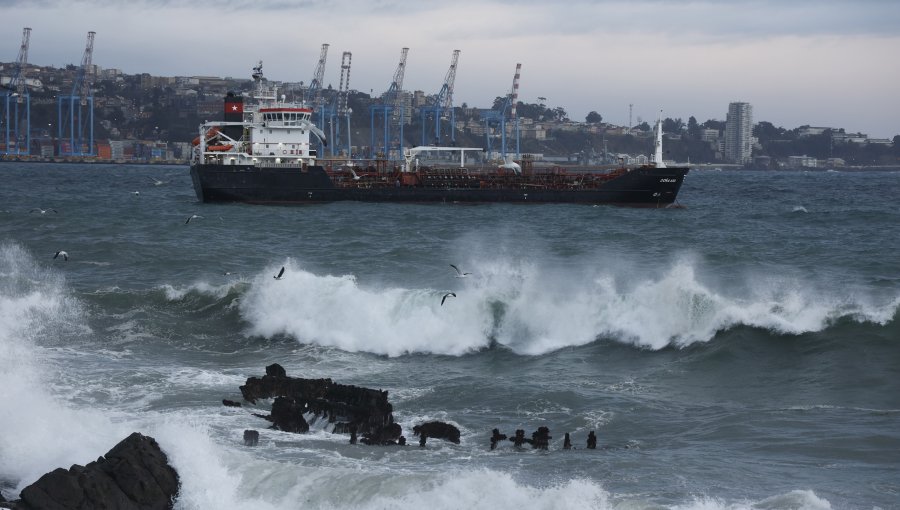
285 117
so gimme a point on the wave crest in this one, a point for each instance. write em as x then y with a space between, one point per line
534 310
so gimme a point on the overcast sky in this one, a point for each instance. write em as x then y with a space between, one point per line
822 63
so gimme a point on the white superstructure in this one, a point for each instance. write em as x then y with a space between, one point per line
267 131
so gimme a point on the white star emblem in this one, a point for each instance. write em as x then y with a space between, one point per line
234 108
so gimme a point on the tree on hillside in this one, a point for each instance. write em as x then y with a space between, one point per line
766 131
693 128
593 118
535 112
714 124
672 125
560 114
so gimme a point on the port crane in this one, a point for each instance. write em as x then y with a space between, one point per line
391 109
16 117
314 92
497 118
442 107
76 110
339 110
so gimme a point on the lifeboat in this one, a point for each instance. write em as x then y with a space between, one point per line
219 148
209 136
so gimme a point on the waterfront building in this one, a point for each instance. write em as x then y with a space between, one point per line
739 133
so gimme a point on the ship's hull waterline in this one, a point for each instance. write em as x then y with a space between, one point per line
640 187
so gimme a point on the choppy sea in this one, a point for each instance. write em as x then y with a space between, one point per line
740 353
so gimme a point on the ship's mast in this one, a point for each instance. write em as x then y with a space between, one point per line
658 155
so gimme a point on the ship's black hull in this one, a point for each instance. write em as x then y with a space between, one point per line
641 187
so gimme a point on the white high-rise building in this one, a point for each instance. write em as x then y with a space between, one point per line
739 133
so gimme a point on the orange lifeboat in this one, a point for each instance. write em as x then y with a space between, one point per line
219 148
209 136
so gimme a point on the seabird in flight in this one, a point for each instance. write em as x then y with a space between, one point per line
192 217
459 274
280 274
445 297
156 182
63 254
42 211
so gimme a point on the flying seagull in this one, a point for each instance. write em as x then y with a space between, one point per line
63 254
459 274
192 217
156 182
42 211
280 274
446 296
135 193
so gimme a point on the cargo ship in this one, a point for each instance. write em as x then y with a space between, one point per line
262 152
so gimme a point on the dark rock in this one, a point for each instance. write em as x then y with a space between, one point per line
386 435
567 443
540 439
438 430
402 441
496 436
276 370
519 438
347 407
287 415
230 403
251 437
591 440
134 475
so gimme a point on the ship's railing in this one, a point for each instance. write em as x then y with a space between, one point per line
272 164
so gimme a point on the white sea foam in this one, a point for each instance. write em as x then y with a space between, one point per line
794 500
174 293
336 311
40 432
534 310
485 489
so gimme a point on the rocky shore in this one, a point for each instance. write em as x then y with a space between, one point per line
134 475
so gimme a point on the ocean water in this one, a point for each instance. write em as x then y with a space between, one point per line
740 353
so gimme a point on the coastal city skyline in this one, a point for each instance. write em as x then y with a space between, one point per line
806 63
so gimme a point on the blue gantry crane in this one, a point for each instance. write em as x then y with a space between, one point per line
391 110
441 108
496 118
338 110
16 118
76 110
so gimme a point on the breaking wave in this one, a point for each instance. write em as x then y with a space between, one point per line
533 310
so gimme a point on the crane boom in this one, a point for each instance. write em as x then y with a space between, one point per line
18 80
344 87
396 87
83 84
445 96
315 86
514 92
